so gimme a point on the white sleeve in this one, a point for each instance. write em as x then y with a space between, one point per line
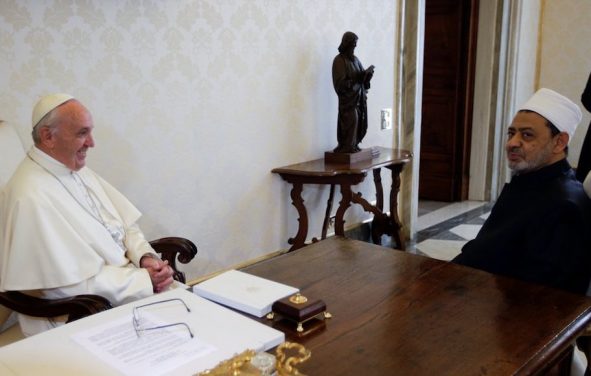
119 285
136 244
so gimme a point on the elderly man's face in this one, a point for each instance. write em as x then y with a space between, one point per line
530 144
72 136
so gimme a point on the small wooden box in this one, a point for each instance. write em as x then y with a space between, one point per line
298 309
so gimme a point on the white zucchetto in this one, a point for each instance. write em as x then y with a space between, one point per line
556 108
48 103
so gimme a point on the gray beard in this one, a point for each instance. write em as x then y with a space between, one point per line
534 164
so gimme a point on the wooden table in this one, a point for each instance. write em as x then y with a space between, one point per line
396 313
346 176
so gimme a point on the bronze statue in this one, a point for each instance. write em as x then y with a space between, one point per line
351 83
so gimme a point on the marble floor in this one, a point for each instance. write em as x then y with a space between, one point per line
443 227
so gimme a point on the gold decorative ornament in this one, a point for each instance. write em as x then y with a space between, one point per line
286 364
243 364
298 299
238 365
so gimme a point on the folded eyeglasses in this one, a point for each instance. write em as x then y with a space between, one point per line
137 324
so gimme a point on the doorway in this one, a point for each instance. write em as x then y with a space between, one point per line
448 89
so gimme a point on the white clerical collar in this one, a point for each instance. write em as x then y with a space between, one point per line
45 160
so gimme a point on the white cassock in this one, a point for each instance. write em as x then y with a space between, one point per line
66 233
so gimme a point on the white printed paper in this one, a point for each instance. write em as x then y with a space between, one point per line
152 353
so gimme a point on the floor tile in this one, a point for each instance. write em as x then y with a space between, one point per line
467 232
452 226
446 212
426 206
441 249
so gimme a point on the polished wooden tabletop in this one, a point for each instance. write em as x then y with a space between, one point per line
319 167
396 313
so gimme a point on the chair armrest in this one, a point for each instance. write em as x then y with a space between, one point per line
173 248
75 307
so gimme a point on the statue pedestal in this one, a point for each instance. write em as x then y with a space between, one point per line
349 158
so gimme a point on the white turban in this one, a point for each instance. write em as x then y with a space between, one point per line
48 103
557 109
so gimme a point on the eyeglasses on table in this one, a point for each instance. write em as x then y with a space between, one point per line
137 321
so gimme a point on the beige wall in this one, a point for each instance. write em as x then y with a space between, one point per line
565 56
195 102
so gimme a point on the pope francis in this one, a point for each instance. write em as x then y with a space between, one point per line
63 229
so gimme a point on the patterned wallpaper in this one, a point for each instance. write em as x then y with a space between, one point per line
195 102
565 56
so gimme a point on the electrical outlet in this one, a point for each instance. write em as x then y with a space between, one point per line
386 118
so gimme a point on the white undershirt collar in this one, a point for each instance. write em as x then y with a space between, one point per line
48 162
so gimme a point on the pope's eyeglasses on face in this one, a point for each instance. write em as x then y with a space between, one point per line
136 318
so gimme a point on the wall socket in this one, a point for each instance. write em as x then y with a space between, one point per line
386 118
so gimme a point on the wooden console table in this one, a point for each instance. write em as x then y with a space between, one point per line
319 172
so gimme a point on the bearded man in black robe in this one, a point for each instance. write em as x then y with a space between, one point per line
539 230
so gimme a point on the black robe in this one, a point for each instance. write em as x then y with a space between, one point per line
539 230
584 165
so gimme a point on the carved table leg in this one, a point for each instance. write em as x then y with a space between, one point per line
328 210
346 194
395 220
296 196
377 179
379 224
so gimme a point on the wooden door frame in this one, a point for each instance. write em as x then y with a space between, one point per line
465 148
499 89
446 171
